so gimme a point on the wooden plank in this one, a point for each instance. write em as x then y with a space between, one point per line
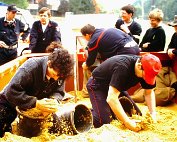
8 70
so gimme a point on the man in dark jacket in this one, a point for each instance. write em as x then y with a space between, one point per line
127 24
172 47
108 43
43 32
154 38
37 78
105 43
10 30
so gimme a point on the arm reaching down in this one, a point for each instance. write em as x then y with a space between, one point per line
151 102
118 110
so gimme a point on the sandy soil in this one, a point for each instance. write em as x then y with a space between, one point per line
163 131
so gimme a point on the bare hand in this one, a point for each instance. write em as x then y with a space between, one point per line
47 105
84 66
132 125
170 53
153 116
124 28
145 45
3 45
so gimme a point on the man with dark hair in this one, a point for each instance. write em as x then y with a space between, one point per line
43 32
108 43
127 24
38 78
105 43
112 78
10 30
53 47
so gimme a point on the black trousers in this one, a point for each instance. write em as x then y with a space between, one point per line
7 116
102 113
7 55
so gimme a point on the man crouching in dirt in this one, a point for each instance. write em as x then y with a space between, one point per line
37 79
112 78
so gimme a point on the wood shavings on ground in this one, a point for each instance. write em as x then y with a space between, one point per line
163 131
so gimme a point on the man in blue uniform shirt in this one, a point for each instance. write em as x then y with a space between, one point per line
105 43
112 78
108 43
38 78
10 30
43 32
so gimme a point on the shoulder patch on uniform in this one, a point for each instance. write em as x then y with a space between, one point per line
57 28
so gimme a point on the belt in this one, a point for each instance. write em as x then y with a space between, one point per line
11 46
130 44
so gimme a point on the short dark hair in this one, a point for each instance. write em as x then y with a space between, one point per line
87 29
62 62
44 9
129 9
53 46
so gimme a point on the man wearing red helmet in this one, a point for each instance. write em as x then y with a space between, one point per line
113 77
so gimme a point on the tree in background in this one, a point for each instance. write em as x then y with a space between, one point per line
97 8
64 7
19 3
42 3
167 6
144 7
76 6
81 6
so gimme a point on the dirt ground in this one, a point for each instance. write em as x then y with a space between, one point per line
164 130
